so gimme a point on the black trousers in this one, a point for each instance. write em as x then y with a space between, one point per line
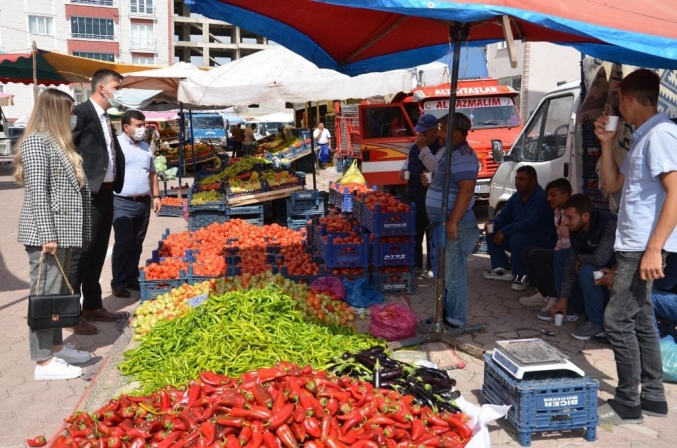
422 228
87 261
540 269
130 222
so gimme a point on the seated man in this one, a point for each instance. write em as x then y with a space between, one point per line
664 294
592 233
540 263
525 220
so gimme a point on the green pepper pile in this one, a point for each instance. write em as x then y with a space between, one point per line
233 333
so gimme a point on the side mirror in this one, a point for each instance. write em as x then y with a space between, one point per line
497 151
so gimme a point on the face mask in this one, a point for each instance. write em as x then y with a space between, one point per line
117 97
74 121
139 134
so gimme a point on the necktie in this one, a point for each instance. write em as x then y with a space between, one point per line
112 143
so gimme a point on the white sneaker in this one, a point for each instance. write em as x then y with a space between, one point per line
499 274
551 302
72 356
427 274
520 283
534 300
56 369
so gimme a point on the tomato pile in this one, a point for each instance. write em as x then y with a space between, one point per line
352 187
336 224
174 202
168 268
388 202
282 406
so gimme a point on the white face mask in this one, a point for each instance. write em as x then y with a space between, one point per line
139 134
116 101
74 121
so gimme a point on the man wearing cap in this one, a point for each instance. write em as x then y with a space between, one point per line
459 226
416 191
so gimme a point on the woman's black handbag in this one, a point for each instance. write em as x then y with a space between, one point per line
52 311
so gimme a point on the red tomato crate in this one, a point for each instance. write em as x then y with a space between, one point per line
397 253
542 405
398 223
150 289
344 255
393 282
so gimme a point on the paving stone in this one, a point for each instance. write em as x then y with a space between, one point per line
34 388
22 427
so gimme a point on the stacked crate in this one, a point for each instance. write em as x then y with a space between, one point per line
202 215
303 206
253 214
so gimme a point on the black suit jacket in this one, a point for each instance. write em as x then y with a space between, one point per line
90 140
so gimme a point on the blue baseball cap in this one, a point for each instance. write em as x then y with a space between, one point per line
425 123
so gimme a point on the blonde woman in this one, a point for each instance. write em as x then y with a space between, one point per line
55 217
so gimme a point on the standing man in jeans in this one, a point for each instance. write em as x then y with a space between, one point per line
646 231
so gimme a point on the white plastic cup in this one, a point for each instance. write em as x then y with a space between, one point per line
559 319
490 227
429 176
406 175
598 274
612 123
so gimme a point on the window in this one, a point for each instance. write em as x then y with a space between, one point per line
385 121
108 57
90 28
545 137
142 60
94 2
142 36
41 25
141 6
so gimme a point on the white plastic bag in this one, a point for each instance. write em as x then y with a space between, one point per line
480 417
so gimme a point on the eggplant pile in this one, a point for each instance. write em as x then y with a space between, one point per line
430 387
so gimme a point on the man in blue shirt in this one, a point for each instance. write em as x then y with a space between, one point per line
525 220
416 191
645 233
459 227
131 207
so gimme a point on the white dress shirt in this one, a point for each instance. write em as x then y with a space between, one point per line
107 133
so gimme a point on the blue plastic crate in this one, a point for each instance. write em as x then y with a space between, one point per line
202 218
171 211
219 205
542 405
393 282
150 289
342 198
156 258
392 253
305 195
245 210
344 255
305 209
378 223
298 224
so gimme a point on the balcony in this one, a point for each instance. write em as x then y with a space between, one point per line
92 36
94 2
142 44
141 10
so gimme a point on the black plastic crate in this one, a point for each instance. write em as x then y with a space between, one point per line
403 282
202 218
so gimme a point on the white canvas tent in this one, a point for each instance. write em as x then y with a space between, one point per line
165 79
277 117
279 75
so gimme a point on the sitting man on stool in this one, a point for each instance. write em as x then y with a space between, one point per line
592 233
133 204
525 220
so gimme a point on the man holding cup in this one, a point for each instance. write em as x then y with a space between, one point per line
416 191
646 232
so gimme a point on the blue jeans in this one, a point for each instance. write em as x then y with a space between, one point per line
515 244
593 296
630 325
664 303
456 253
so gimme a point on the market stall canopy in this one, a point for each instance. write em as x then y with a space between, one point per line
165 79
159 117
280 75
390 34
6 99
138 98
277 117
54 68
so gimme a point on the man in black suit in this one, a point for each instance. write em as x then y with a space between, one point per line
104 165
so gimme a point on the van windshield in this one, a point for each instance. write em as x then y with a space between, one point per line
484 112
208 122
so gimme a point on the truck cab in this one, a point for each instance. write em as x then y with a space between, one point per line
210 128
380 135
6 153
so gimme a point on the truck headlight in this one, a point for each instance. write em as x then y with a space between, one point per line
479 166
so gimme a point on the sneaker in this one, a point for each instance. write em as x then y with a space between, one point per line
427 274
520 283
72 356
533 300
56 369
545 315
551 302
499 274
587 331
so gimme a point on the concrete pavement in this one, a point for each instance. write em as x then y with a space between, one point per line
29 408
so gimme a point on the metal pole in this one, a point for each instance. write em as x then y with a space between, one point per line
182 133
458 33
312 144
35 71
192 137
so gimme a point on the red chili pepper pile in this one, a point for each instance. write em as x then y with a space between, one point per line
283 406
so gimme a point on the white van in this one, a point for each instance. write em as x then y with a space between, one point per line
547 142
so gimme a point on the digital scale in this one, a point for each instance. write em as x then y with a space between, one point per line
522 356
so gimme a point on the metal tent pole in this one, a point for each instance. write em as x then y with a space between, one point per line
182 133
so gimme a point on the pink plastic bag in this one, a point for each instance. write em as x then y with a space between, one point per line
393 322
332 285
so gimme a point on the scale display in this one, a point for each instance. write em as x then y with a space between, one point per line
521 356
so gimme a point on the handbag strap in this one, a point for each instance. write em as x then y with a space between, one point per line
58 263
